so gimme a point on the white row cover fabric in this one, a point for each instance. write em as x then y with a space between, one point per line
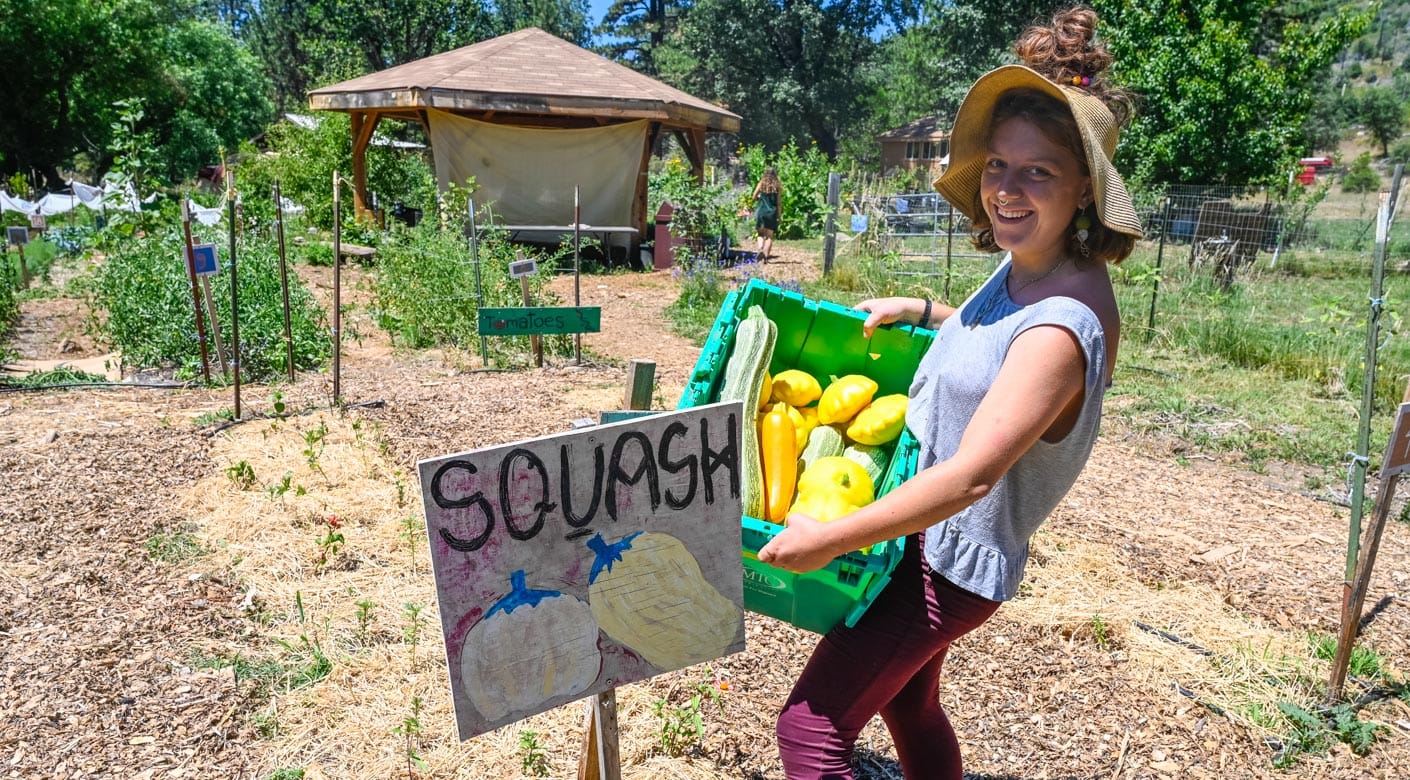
527 174
206 216
112 197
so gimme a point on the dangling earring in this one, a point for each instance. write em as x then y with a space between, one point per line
1083 223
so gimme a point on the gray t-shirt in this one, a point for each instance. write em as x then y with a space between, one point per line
984 548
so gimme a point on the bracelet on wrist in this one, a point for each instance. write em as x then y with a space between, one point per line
925 315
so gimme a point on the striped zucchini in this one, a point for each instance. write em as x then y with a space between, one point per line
872 458
824 441
744 380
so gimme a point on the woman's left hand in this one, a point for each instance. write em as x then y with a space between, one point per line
800 547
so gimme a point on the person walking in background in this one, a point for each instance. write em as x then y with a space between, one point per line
1005 404
768 199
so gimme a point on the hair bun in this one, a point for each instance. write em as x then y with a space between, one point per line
1068 53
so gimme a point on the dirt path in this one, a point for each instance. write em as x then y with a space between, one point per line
99 641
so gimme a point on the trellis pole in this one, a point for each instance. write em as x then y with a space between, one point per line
1360 458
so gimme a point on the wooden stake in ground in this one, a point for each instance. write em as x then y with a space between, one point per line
284 279
337 290
232 197
601 758
195 290
1397 462
577 272
535 341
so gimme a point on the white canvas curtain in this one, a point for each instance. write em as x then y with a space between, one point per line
527 174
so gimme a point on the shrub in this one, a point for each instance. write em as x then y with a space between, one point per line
426 290
700 209
1400 152
1360 177
144 289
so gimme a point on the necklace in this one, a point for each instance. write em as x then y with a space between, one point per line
993 298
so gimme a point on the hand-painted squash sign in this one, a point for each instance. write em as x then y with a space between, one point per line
571 564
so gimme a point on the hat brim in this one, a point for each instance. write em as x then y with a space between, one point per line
969 140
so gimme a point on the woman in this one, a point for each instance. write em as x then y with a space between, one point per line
768 195
1005 404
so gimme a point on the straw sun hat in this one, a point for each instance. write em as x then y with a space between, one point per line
1095 123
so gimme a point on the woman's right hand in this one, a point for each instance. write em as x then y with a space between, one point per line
884 311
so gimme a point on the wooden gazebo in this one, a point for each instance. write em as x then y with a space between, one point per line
527 79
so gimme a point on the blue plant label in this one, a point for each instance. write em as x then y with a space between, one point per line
205 258
859 223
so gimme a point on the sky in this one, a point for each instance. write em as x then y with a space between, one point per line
596 9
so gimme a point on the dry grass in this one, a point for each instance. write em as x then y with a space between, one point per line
343 724
1233 663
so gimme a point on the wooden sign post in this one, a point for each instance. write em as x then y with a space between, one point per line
195 289
207 261
571 564
1396 463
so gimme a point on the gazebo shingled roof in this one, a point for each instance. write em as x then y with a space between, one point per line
527 77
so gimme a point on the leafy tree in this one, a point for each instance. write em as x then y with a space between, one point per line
1223 99
568 19
81 57
926 67
636 29
305 44
787 67
1360 177
1383 114
1325 120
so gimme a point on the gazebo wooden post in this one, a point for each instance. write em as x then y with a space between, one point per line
693 142
640 199
363 123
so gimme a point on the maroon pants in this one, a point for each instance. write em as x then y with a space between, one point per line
888 663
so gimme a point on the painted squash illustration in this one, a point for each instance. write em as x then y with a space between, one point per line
647 593
531 646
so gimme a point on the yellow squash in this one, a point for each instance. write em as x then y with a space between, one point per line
880 422
796 388
779 448
841 476
845 397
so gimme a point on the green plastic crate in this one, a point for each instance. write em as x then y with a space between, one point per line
824 339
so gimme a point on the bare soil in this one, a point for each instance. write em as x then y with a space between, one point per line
1166 607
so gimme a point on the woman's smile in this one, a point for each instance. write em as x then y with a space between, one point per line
1032 188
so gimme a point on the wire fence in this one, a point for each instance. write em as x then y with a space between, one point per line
1229 232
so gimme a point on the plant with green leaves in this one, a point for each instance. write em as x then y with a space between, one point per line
425 291
701 212
276 490
242 474
313 446
415 622
364 620
1225 87
332 541
410 730
303 159
535 759
804 174
145 293
411 531
682 727
1360 177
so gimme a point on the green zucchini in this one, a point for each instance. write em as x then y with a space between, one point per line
824 441
872 458
744 380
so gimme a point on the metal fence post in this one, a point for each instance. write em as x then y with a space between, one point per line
834 186
1159 256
